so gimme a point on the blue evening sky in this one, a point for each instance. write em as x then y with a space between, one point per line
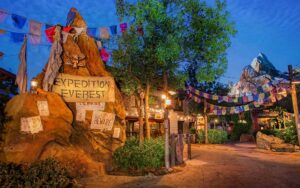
268 26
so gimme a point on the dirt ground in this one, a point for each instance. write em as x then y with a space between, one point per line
230 165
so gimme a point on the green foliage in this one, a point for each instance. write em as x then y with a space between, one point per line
215 136
239 129
289 134
193 130
46 173
206 38
134 157
11 175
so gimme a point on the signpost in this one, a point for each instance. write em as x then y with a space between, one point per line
294 100
84 89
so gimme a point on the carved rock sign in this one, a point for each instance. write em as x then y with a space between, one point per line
84 88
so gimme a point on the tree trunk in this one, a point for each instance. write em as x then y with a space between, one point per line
148 131
205 123
139 105
166 122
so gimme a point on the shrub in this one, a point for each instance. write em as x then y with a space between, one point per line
11 175
46 173
239 129
134 157
290 133
215 136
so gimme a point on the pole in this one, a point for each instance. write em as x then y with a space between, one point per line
173 150
189 146
205 123
294 100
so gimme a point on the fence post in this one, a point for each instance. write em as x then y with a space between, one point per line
189 149
173 150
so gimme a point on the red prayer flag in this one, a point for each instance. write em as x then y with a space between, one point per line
104 55
50 32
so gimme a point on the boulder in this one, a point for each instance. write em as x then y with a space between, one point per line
24 147
75 159
247 138
264 141
283 147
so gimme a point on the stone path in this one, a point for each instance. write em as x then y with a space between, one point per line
230 165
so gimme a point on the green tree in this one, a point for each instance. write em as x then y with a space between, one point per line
176 33
144 57
206 39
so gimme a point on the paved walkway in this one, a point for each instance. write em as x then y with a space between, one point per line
231 165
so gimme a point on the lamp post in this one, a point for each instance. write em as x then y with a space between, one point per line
167 102
33 84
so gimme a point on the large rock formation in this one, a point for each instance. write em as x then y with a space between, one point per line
270 142
70 141
23 147
264 141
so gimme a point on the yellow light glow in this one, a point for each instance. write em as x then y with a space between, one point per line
163 96
172 92
33 83
168 102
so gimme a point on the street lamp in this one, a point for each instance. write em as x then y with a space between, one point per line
33 84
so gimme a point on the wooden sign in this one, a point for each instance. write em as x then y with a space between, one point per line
84 88
43 108
31 124
116 132
102 121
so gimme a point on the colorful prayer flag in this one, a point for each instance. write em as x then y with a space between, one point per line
17 37
104 55
140 30
34 39
113 29
3 15
99 44
35 32
246 107
47 26
21 78
104 34
92 32
245 99
54 64
2 32
35 27
70 17
18 21
215 97
123 27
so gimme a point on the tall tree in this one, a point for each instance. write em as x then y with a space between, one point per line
154 35
206 39
164 36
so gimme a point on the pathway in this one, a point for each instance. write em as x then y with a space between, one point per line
231 165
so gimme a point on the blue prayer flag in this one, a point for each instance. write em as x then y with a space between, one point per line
113 29
17 37
19 21
70 17
92 32
47 26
